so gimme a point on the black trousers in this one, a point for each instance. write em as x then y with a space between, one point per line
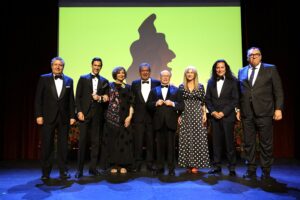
90 133
222 134
264 127
47 145
165 147
143 135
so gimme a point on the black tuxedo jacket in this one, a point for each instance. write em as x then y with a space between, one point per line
266 94
228 100
141 112
84 90
165 114
48 104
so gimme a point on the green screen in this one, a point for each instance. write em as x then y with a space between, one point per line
166 37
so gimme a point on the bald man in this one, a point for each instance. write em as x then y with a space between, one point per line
166 102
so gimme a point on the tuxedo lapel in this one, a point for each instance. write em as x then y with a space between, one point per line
63 89
244 76
214 89
170 91
260 75
158 91
99 86
91 82
139 91
52 86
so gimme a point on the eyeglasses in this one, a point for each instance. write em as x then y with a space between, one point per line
255 55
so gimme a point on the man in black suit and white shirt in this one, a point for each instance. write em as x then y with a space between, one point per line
91 96
142 119
55 109
222 97
166 102
261 102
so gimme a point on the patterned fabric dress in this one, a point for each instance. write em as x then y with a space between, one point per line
117 146
193 142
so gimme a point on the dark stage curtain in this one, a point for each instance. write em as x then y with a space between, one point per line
31 41
267 25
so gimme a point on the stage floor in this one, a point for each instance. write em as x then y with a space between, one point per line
21 180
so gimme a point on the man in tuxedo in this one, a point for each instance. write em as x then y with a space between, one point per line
55 109
91 96
261 102
166 102
222 97
142 119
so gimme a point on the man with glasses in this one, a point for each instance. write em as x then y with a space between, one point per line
261 102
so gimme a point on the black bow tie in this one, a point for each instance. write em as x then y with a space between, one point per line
164 86
57 76
95 76
220 78
145 82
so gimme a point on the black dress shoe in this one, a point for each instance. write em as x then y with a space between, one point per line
158 171
249 174
232 173
79 174
45 177
64 175
266 176
172 172
94 172
150 167
216 170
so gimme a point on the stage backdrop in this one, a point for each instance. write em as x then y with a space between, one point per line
167 37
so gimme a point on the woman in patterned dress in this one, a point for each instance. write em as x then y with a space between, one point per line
193 142
117 151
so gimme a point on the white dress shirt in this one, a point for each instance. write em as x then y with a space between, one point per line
95 84
164 92
58 85
145 89
255 72
219 86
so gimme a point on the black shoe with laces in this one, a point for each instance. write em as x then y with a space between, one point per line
78 174
232 173
250 175
172 172
216 170
45 177
64 175
94 172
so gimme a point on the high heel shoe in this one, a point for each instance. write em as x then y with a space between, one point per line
189 170
194 170
113 171
123 171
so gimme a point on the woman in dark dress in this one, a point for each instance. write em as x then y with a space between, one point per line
117 151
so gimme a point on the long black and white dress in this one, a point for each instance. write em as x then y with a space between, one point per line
193 141
117 145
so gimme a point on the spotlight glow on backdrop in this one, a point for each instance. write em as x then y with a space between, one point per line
173 37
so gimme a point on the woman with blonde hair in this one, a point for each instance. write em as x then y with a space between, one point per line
193 142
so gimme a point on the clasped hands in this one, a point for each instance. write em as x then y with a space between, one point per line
217 115
160 102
